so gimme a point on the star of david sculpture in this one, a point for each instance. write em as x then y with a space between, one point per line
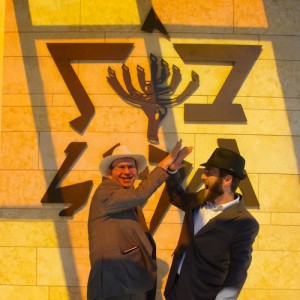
155 95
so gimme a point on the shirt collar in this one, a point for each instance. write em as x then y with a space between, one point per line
222 207
228 204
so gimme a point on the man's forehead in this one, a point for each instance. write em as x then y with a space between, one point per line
212 169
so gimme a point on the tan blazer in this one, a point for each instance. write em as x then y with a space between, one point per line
120 251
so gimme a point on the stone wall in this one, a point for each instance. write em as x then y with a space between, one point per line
45 256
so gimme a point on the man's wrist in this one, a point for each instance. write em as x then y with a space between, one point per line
171 171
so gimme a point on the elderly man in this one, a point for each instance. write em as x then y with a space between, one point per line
214 250
121 249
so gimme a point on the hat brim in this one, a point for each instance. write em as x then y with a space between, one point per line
238 175
107 161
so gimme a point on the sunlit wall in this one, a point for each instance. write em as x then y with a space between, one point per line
45 256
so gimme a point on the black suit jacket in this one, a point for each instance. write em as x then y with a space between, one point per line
218 256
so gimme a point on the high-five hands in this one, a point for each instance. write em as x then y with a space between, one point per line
178 162
174 160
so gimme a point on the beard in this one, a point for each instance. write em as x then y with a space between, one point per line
214 191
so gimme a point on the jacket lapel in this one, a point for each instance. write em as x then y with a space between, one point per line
228 214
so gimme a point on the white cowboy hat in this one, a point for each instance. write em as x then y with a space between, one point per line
122 151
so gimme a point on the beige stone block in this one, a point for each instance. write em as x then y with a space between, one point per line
281 160
248 15
62 266
19 150
33 17
34 75
164 261
17 119
256 150
153 202
217 38
101 101
29 44
277 270
273 121
30 234
98 100
272 80
11 11
258 103
12 44
50 14
18 266
192 17
193 99
22 188
278 199
38 118
173 216
50 213
279 238
259 122
44 234
285 219
263 294
281 17
108 13
83 214
265 79
64 100
144 44
163 238
282 47
13 292
107 120
12 100
76 236
66 293
263 218
32 185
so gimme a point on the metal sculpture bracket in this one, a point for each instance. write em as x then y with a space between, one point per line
242 58
153 22
64 53
154 96
75 194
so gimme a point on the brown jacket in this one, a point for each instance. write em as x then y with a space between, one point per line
120 251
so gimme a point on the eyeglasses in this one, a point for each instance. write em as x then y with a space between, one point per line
122 168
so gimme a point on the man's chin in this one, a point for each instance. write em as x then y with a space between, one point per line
127 183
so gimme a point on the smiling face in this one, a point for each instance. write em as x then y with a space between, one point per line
124 171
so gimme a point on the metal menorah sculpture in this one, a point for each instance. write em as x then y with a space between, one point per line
155 95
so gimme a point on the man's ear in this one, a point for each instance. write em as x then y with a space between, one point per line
228 179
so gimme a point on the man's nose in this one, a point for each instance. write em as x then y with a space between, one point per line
203 175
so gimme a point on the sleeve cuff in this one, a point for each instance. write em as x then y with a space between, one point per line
172 172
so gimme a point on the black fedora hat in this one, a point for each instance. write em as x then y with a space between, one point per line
227 160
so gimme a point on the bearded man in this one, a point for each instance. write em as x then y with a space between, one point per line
214 250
